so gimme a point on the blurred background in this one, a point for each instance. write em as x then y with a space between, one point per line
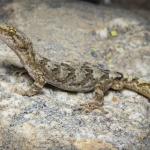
125 3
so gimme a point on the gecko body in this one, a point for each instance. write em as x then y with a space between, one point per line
68 76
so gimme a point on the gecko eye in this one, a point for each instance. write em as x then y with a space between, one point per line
11 30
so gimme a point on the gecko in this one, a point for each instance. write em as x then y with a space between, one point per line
68 76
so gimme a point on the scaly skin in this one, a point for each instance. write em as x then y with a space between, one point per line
68 76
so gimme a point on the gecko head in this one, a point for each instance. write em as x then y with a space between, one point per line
15 39
7 30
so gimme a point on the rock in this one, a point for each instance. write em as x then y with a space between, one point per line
93 144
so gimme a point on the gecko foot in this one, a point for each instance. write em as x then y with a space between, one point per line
89 107
23 92
20 72
34 89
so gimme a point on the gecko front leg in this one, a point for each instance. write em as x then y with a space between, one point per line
34 89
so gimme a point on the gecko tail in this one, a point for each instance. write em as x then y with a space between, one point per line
141 87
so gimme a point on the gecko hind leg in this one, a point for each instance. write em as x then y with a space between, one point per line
97 103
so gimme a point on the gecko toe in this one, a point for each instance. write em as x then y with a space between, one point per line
89 107
23 92
18 90
19 72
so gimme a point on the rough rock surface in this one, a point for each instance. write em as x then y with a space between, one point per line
80 31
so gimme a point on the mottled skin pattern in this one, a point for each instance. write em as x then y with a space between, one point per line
68 76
